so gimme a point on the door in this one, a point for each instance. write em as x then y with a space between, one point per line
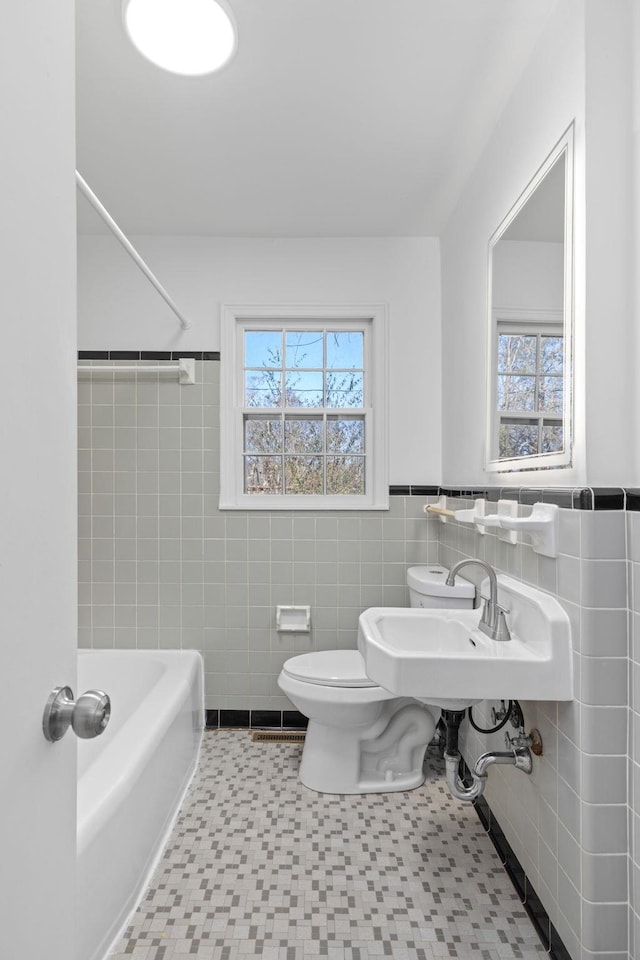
37 476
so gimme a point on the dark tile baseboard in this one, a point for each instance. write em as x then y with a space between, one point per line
256 719
292 719
539 917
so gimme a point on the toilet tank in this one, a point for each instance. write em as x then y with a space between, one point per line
427 588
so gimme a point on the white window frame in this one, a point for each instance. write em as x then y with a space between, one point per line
530 321
535 324
235 319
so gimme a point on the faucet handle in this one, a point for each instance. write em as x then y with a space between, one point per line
498 605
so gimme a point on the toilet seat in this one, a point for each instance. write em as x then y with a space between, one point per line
329 668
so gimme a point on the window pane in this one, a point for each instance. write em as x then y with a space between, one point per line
303 475
552 438
263 475
262 388
516 354
550 394
518 439
303 389
262 435
304 350
345 350
345 436
516 393
551 354
345 390
303 436
345 475
263 348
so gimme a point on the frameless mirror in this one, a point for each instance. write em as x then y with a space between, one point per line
530 323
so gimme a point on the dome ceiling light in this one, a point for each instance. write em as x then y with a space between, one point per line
189 37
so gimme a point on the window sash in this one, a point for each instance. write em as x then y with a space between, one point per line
372 322
534 417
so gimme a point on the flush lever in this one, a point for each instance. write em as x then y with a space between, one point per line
88 715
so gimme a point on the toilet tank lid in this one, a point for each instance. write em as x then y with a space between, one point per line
330 668
430 581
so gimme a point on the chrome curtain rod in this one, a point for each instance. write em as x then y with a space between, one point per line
86 190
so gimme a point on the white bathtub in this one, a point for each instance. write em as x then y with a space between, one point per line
131 780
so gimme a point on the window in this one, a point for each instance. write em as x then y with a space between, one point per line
303 408
529 389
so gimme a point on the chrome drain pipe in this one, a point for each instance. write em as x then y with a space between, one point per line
518 755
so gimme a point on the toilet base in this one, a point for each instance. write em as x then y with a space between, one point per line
384 758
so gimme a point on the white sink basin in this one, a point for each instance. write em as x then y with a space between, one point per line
442 658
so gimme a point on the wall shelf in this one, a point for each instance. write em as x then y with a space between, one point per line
541 525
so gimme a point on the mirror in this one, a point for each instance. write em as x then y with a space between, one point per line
530 323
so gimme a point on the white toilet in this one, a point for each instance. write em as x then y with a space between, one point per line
361 738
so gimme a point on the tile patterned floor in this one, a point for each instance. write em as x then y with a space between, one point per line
259 866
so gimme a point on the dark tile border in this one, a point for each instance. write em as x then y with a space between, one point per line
633 498
539 917
413 490
234 718
148 354
572 498
256 719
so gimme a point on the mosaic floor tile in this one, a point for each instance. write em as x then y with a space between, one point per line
260 866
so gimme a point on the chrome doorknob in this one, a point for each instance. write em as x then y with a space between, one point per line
88 715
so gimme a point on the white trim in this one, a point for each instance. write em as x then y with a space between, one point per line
563 460
234 319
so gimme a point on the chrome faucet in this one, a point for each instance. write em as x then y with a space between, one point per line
492 622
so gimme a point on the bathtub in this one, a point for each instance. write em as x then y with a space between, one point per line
131 780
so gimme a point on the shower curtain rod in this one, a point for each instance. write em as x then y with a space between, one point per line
85 189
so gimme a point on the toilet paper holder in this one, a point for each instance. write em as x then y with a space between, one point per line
293 619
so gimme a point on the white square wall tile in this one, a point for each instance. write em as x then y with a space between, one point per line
633 534
603 534
604 779
604 729
603 681
604 583
604 926
604 828
603 633
604 878
569 530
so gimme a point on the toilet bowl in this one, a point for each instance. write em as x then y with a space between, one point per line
361 738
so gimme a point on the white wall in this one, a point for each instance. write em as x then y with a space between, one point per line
549 96
528 275
611 264
38 476
582 69
119 310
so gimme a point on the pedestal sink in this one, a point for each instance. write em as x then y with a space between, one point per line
442 658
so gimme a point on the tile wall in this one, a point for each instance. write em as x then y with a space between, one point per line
160 566
567 823
633 534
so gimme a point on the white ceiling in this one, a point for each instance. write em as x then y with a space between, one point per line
335 118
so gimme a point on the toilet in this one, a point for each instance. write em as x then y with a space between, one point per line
361 738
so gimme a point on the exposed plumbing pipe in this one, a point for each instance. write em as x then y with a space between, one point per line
519 756
102 211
